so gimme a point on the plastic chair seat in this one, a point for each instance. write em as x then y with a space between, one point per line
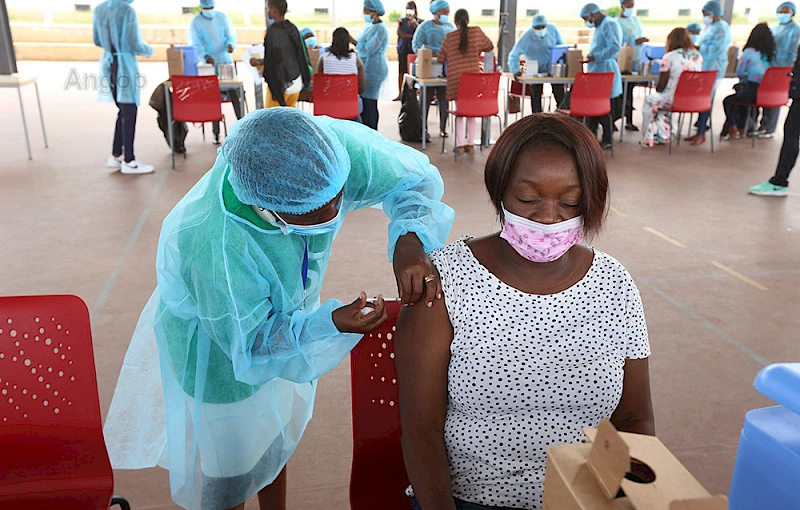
336 95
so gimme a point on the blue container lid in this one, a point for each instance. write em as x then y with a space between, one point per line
781 383
776 431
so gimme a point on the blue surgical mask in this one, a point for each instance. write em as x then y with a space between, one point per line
312 230
540 33
208 14
628 12
695 38
707 20
590 24
270 21
444 19
311 42
368 18
784 18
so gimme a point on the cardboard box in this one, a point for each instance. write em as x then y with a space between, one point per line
174 61
313 59
574 65
425 63
621 471
625 59
733 60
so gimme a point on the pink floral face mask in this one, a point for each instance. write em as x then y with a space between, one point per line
539 242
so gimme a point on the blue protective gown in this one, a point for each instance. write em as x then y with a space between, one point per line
540 50
241 339
787 38
606 43
115 28
211 37
714 43
632 30
373 43
431 35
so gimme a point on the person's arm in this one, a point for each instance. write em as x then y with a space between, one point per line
611 42
420 37
795 42
134 39
231 38
401 33
714 41
743 67
320 65
96 30
444 49
362 78
663 77
640 39
516 52
196 39
410 189
635 410
486 43
301 54
422 356
559 38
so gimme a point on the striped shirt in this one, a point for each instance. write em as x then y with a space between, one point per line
331 64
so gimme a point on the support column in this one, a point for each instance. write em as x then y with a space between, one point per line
728 14
508 28
8 59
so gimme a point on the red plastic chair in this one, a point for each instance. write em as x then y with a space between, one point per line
378 478
196 99
336 95
591 97
692 95
477 98
51 436
410 59
773 92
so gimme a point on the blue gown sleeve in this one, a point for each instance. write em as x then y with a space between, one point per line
398 176
715 42
559 38
133 36
232 301
743 67
95 30
517 51
230 33
196 39
420 37
610 42
793 45
368 42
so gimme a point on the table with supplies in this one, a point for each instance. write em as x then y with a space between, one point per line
532 80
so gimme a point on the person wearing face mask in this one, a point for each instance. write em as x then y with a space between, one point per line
115 28
371 46
530 319
694 32
309 38
431 33
787 39
537 44
213 36
236 319
602 58
714 43
406 27
631 36
286 67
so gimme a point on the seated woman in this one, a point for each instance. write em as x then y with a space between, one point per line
681 56
537 336
341 59
757 56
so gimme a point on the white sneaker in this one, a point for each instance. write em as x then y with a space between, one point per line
114 162
136 167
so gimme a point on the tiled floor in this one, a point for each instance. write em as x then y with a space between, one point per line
718 270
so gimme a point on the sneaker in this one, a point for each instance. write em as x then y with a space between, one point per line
216 140
767 189
765 136
136 167
114 162
752 134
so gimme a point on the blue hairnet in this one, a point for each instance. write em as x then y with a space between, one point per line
283 161
790 5
589 9
714 7
694 26
207 4
375 6
438 5
306 31
539 20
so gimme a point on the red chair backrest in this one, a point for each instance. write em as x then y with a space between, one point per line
196 99
410 59
517 89
477 95
378 478
773 92
336 95
50 424
694 91
591 94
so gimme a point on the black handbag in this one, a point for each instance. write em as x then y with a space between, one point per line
409 120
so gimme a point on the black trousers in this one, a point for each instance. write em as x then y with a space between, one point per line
629 104
536 96
736 115
125 130
605 121
370 117
790 147
441 97
235 102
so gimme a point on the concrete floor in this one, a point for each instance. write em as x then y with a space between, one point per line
718 270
